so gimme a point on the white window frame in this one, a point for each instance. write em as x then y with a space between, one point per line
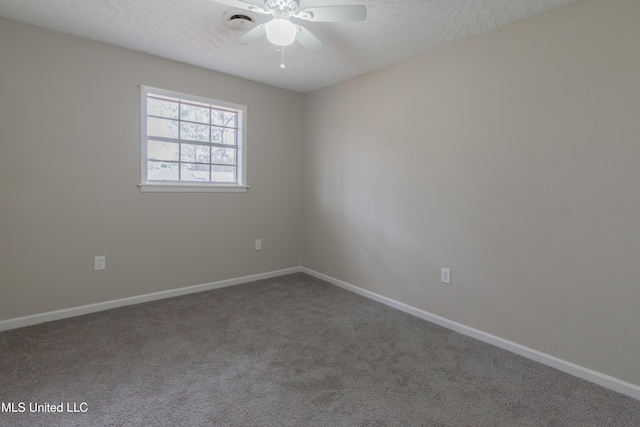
194 187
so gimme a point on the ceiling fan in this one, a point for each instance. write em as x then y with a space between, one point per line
282 32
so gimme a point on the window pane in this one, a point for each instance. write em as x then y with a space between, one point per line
193 132
161 171
226 156
158 150
223 173
158 107
195 153
223 136
162 127
224 118
229 137
193 113
194 172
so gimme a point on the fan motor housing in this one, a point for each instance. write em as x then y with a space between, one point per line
289 6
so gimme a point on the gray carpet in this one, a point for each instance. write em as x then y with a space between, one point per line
289 351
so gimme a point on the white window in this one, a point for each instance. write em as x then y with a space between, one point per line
190 143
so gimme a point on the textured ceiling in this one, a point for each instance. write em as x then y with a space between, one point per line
195 32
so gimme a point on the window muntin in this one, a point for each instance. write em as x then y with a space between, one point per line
189 140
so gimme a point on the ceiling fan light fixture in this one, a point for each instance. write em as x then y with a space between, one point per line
281 31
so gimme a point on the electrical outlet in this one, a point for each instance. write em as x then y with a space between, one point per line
258 244
99 263
445 276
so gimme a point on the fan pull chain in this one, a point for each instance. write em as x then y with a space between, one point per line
282 61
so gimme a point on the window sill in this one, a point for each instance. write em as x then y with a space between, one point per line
192 188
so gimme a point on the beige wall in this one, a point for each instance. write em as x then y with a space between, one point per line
69 168
512 158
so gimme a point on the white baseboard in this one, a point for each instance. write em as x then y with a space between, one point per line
20 322
604 380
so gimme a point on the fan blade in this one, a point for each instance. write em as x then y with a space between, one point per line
308 40
241 5
251 35
334 13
